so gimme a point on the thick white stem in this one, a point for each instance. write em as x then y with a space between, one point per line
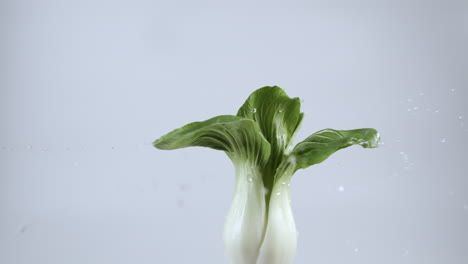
245 223
279 245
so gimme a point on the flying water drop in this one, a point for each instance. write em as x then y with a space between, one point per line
22 229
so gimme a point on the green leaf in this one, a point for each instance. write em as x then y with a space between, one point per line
277 115
239 137
320 145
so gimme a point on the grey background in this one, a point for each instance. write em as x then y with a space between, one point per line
86 86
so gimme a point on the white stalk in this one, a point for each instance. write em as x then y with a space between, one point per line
279 245
245 223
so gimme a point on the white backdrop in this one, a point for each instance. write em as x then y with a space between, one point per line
86 86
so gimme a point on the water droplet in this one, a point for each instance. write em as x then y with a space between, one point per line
341 188
409 109
409 100
184 187
254 110
265 191
180 203
284 183
415 108
407 165
29 147
421 94
44 150
453 89
278 193
250 179
22 229
281 110
356 250
437 111
460 117
443 140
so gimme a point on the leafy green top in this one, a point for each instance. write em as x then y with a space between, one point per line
262 133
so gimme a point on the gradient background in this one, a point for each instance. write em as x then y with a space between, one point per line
86 86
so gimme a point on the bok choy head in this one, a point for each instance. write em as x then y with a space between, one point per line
258 140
